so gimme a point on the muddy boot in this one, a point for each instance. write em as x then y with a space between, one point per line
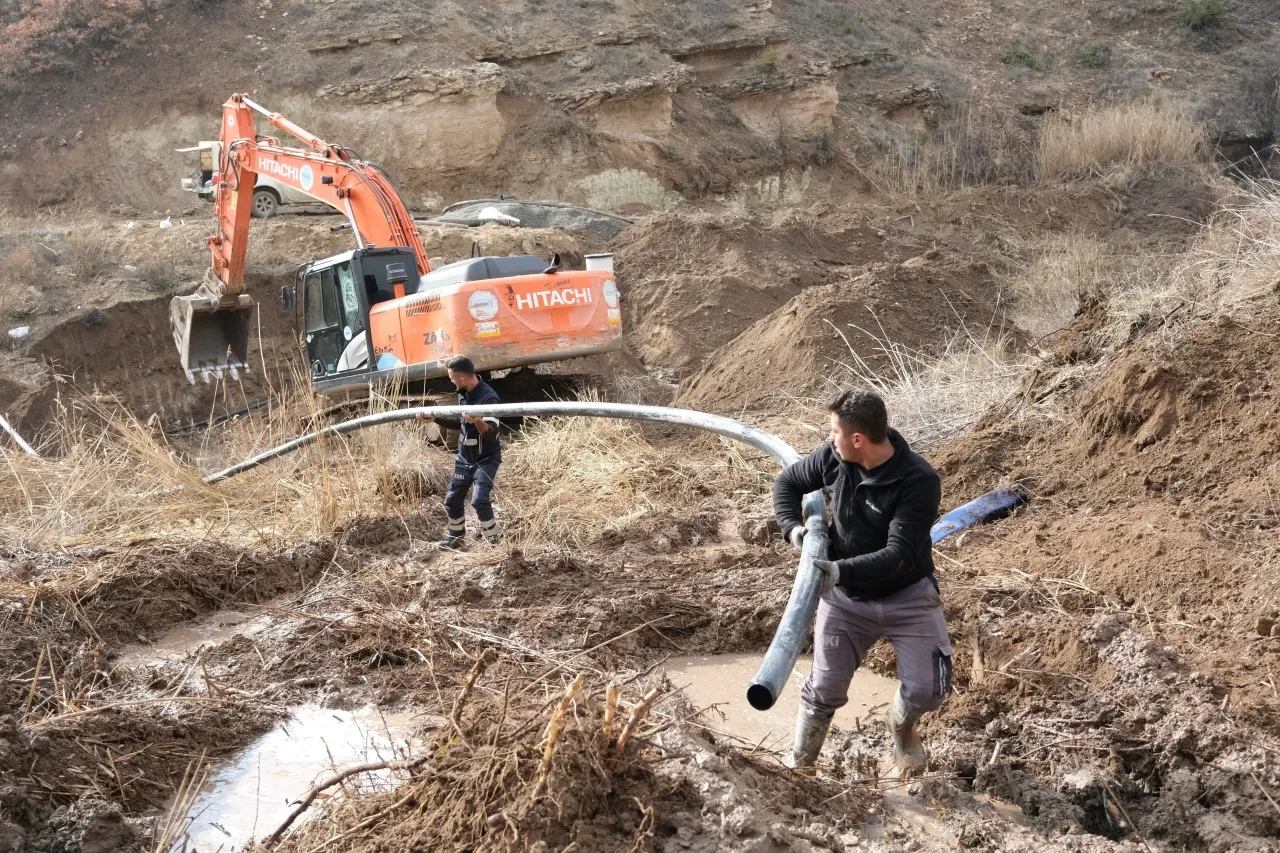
451 543
908 750
811 732
491 532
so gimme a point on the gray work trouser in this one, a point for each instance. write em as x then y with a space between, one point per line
846 628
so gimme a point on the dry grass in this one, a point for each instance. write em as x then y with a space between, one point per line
1235 259
105 476
932 396
90 254
970 146
20 270
611 479
566 481
1046 290
1132 134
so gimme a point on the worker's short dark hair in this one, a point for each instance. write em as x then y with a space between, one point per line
862 410
461 364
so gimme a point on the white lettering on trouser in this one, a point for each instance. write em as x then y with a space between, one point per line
911 619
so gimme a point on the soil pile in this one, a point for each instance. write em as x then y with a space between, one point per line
804 346
693 282
1119 634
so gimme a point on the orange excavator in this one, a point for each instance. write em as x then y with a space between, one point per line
379 312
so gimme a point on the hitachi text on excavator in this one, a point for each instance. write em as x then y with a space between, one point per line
378 312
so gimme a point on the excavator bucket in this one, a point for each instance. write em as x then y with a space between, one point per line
212 339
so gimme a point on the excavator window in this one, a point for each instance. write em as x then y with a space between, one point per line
322 303
350 299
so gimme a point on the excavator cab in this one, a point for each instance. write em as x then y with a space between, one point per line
336 294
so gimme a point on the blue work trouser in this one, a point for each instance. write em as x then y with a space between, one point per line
465 474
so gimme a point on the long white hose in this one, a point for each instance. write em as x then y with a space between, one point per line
793 630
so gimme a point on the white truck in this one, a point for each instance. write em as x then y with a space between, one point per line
268 193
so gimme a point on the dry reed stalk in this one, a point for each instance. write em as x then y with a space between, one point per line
477 669
633 719
553 732
611 695
175 823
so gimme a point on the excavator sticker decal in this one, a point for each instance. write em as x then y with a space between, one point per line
487 330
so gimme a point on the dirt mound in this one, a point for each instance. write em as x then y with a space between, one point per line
1141 569
692 282
804 346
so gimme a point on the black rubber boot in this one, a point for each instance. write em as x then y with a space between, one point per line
452 543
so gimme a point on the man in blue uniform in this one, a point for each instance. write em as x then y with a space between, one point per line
479 455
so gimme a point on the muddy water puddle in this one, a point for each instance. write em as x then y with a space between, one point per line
179 642
249 795
722 681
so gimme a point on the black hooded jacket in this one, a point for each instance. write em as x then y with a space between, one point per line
880 518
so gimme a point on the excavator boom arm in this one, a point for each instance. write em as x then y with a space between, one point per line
329 174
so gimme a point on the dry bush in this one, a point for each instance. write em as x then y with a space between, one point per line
90 254
970 146
1132 133
158 275
932 396
48 35
23 267
1046 290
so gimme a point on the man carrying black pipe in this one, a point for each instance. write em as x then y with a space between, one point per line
479 455
879 579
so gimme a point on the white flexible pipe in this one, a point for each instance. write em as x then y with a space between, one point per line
793 630
26 448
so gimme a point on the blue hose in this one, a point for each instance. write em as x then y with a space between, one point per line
989 507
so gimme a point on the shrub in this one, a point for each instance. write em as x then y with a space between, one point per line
820 151
770 61
1094 54
89 254
1019 54
844 24
1202 14
52 34
158 275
